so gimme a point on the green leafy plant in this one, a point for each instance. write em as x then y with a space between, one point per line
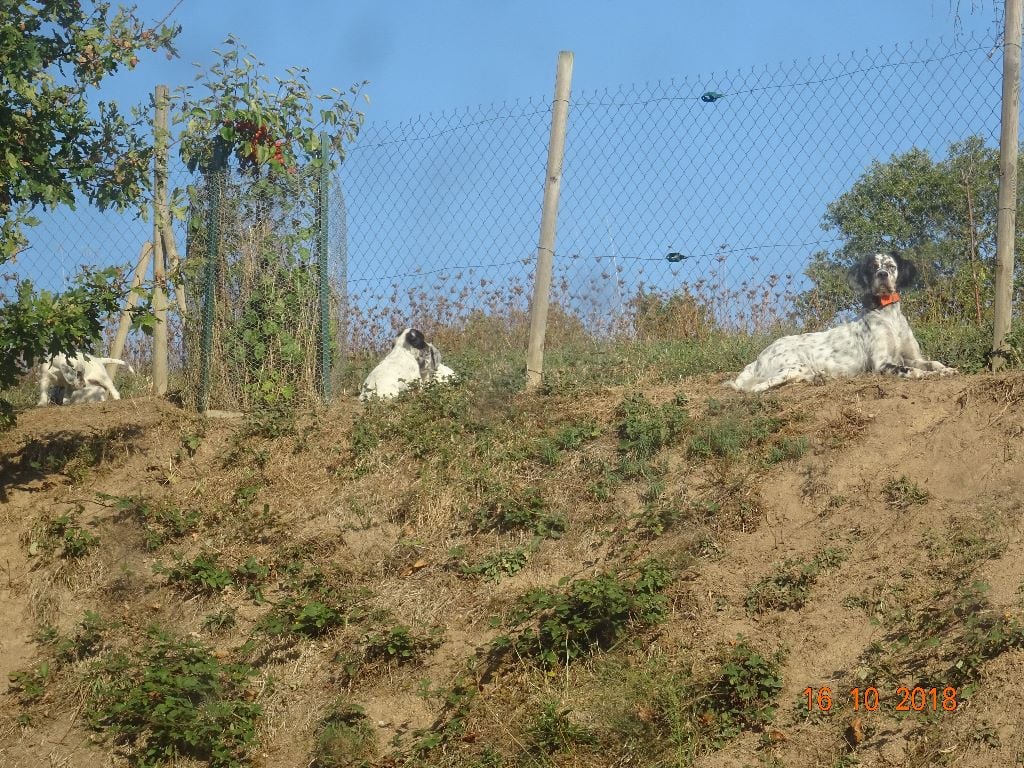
203 575
504 562
218 621
549 450
506 509
588 615
161 522
65 532
743 693
30 684
270 130
171 699
399 645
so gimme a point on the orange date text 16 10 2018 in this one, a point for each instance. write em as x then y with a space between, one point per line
905 699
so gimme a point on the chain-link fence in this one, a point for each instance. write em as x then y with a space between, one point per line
721 203
715 189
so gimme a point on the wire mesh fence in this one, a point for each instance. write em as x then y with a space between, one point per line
712 189
718 203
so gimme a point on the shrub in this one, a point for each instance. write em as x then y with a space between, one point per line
590 614
172 699
742 694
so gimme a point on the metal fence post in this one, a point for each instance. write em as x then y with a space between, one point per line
322 271
548 222
1006 222
214 181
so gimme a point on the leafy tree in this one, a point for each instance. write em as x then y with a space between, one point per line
58 144
942 214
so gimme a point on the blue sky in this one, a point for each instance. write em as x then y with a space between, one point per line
427 55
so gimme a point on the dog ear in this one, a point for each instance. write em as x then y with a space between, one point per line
906 272
859 277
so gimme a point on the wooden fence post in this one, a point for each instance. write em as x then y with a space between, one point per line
160 213
1006 223
548 222
117 347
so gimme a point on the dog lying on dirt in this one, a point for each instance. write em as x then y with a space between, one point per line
880 341
411 359
77 372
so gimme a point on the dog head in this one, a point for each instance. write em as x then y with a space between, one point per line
882 274
413 341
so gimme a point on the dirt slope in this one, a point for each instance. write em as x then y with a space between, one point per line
956 444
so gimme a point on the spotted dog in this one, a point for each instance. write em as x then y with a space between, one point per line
880 341
69 373
411 359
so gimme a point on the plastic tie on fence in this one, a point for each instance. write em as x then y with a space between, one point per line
711 96
675 257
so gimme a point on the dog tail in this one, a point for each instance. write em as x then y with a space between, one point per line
112 361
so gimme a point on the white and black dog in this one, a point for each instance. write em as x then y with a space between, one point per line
411 359
77 372
879 341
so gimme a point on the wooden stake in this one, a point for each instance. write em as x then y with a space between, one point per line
117 347
160 209
1006 223
548 222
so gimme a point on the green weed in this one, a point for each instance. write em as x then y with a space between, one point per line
644 429
743 694
160 522
65 532
552 729
399 645
789 586
902 493
507 509
495 566
588 615
202 576
171 699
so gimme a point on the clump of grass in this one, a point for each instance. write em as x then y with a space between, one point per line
730 429
63 532
425 423
550 449
161 523
345 738
902 493
789 586
644 428
552 729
